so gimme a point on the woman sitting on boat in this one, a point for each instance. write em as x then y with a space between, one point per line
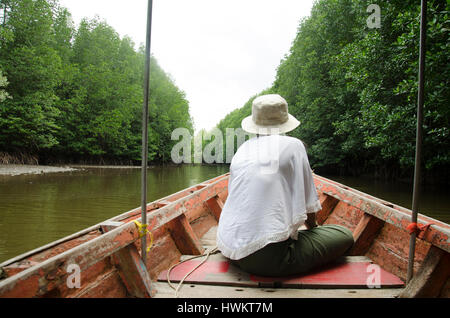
271 194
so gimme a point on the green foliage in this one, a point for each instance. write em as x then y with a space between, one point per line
28 119
233 120
381 69
354 89
77 94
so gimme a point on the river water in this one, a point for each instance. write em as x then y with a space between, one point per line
38 209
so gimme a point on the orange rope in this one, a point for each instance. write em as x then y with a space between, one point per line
419 229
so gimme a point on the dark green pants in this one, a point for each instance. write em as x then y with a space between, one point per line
314 247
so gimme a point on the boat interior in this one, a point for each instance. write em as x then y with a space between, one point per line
182 260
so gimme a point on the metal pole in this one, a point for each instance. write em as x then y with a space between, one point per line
145 129
416 190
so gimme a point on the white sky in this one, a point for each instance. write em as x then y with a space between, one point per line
219 52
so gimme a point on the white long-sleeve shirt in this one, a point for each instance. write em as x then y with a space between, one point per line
270 191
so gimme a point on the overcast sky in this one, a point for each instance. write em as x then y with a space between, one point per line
219 52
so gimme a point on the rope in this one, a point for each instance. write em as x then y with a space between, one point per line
143 230
419 229
177 289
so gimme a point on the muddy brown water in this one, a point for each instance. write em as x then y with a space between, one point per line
38 209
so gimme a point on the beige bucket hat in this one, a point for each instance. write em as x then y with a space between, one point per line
269 116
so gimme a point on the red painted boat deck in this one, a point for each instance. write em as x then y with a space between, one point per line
348 272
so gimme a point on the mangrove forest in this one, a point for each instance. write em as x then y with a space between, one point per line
74 94
353 85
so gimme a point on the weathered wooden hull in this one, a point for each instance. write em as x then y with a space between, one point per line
107 256
380 232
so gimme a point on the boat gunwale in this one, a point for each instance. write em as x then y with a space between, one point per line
386 203
438 234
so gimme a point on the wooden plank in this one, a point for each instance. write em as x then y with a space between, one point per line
364 234
131 268
215 205
104 286
109 225
328 206
211 291
133 272
431 277
184 237
32 282
209 239
438 234
219 202
445 291
349 259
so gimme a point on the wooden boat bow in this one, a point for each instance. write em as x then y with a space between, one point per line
108 258
29 278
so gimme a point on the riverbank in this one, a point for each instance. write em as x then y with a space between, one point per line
15 170
21 169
